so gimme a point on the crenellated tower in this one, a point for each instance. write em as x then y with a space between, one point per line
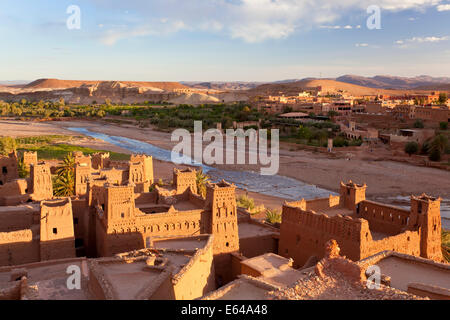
41 182
352 194
426 214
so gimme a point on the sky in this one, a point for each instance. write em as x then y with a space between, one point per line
222 40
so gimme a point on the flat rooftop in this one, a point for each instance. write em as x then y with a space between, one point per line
275 269
334 211
186 206
128 279
404 271
31 207
244 288
180 244
50 279
249 230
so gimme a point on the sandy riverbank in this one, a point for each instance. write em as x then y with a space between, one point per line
382 177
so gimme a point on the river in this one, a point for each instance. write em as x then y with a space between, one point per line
278 186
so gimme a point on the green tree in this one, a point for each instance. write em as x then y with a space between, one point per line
273 216
435 155
418 124
64 185
411 148
22 168
7 145
245 202
442 98
437 147
332 113
304 133
64 182
443 125
201 180
67 166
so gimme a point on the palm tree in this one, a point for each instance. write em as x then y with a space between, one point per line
273 216
201 180
22 168
64 185
64 182
68 165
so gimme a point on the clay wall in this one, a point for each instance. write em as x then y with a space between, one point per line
146 197
304 234
30 158
197 278
41 182
383 218
18 247
18 219
8 168
57 231
407 242
184 179
14 188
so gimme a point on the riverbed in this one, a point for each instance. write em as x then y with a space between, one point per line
276 186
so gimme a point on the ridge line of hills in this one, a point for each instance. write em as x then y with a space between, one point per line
356 85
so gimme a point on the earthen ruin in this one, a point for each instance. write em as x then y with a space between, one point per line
135 239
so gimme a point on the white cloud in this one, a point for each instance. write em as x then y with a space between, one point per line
252 20
112 36
362 45
443 7
420 40
428 39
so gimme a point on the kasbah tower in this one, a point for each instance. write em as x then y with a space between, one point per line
221 199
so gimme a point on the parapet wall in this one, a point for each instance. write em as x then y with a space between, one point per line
384 218
18 219
303 234
322 203
14 188
197 277
407 242
18 247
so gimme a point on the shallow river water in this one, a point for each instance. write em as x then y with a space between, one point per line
279 186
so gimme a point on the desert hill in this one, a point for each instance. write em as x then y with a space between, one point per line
437 87
328 86
393 82
65 84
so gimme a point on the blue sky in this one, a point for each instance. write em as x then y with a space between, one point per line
222 40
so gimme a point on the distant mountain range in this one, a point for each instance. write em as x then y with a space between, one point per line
392 82
222 85
377 82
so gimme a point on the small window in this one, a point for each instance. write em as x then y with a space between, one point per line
55 231
75 220
122 215
227 244
5 170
